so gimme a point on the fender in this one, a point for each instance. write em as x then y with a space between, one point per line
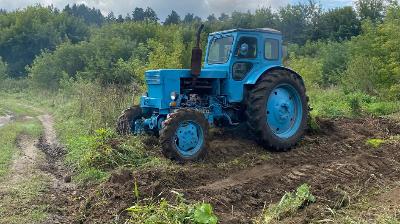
253 78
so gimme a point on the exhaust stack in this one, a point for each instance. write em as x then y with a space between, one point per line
197 55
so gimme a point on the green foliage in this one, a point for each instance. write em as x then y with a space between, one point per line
203 214
380 108
288 205
177 212
120 58
3 70
339 24
25 33
374 142
89 15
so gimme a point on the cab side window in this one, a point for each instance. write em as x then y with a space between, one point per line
247 47
271 49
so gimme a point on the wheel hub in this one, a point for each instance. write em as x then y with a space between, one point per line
283 110
187 137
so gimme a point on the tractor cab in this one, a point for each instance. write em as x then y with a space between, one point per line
244 54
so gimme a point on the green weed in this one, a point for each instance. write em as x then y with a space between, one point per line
375 143
176 212
288 205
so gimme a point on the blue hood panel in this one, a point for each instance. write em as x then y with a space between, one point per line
185 73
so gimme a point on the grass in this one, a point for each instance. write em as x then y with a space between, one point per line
8 138
367 209
289 204
15 198
375 143
334 102
17 104
13 206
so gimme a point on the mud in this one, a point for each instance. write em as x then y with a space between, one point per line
239 181
59 197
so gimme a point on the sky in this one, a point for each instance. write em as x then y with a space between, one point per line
202 8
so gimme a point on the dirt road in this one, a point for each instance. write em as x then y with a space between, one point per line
36 173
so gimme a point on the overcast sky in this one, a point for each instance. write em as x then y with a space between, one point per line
163 7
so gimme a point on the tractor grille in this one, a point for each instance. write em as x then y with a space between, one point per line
153 79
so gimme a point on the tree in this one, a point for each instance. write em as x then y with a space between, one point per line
338 24
89 15
24 34
172 18
138 14
120 19
110 17
264 17
242 19
371 9
211 18
150 15
223 17
189 18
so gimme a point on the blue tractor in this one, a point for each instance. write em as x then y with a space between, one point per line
242 81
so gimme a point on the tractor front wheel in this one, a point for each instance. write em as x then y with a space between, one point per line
126 122
277 109
184 136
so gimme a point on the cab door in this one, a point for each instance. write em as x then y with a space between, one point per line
246 58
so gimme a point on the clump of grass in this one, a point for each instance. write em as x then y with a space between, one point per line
290 203
95 155
375 142
313 125
176 212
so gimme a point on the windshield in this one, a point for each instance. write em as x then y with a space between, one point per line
220 50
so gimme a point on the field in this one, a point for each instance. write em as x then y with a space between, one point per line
347 164
66 75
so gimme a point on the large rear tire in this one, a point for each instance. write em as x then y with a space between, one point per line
277 109
126 122
184 136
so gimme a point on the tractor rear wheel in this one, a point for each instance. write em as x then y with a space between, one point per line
184 136
126 122
277 109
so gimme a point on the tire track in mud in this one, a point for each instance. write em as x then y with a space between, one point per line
60 191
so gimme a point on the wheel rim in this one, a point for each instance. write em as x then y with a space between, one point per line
189 138
284 111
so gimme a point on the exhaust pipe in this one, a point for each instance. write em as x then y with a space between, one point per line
197 55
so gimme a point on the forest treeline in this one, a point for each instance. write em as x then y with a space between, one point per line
356 48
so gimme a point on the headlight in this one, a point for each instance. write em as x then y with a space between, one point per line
174 96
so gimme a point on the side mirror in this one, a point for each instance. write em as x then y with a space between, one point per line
244 49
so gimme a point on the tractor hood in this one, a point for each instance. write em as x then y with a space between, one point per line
184 73
161 83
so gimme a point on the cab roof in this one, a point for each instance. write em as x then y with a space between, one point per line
258 30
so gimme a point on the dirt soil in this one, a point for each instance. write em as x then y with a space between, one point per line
239 180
